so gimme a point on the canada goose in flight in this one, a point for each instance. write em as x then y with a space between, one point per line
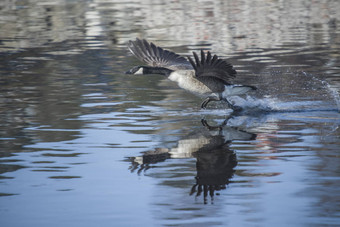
208 77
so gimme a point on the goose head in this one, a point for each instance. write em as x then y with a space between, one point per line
137 70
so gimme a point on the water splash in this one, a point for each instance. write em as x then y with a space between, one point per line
256 105
291 92
333 93
250 103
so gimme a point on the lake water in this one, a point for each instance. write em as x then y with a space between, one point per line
83 144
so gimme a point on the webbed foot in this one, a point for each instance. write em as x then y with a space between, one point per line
207 100
205 103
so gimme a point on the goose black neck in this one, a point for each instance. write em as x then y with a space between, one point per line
156 70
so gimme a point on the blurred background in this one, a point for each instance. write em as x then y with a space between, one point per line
83 144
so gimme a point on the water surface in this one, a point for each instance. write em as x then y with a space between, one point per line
83 144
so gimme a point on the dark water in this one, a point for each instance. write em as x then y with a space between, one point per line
83 144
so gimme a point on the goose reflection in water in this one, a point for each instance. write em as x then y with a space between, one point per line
215 161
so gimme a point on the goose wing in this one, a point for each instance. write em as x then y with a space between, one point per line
212 66
157 56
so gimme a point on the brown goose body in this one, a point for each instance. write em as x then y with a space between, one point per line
208 77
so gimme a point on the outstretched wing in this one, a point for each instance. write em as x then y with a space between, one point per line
157 56
213 67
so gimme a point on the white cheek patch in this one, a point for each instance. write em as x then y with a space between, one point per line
139 71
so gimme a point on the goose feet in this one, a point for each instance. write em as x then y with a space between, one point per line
209 99
205 103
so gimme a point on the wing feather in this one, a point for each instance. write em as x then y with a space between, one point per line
156 56
212 67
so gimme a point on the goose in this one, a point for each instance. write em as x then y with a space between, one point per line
209 77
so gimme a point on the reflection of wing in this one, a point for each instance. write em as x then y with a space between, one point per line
210 146
214 170
216 138
157 56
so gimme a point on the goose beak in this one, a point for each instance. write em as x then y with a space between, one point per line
128 72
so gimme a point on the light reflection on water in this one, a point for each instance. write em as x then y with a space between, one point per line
84 144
